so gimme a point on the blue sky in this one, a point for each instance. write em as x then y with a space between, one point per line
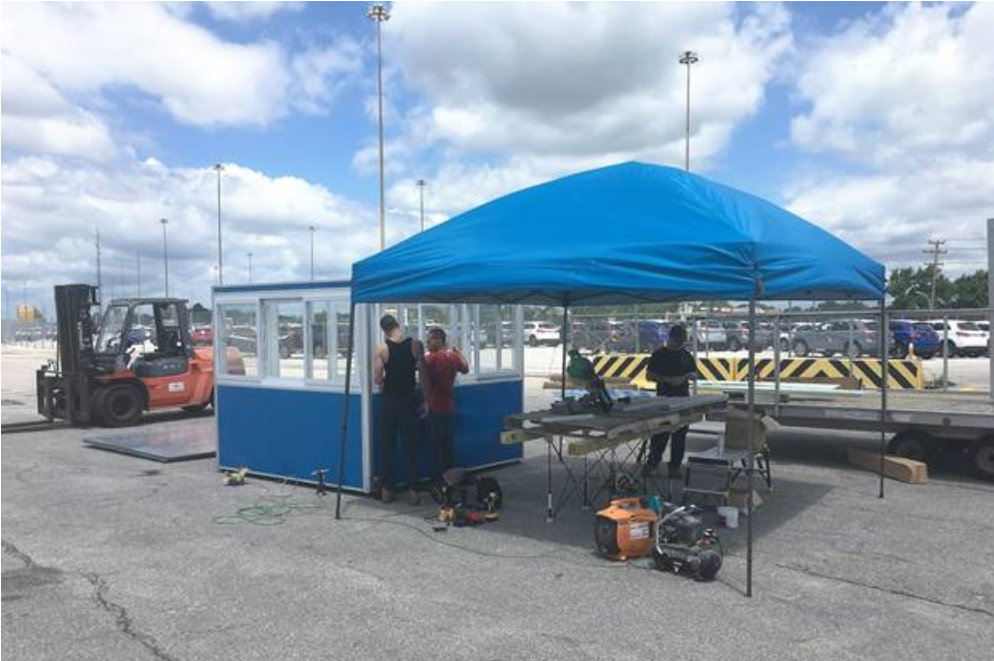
870 119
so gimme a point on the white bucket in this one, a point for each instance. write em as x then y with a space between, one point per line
730 516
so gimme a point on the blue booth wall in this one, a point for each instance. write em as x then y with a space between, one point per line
478 422
288 433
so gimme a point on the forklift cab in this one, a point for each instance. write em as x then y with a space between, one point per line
150 337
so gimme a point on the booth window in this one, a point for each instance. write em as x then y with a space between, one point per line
238 338
497 352
328 333
284 339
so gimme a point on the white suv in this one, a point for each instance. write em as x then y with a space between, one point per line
965 338
540 332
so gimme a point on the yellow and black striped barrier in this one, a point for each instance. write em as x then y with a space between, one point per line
904 374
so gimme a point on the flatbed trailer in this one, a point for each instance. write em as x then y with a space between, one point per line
924 424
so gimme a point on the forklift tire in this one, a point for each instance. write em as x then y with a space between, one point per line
118 406
913 445
982 457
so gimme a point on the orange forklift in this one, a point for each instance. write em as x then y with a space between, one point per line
140 358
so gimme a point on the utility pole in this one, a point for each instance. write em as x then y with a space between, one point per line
379 14
936 250
688 57
220 259
250 267
165 253
139 273
421 189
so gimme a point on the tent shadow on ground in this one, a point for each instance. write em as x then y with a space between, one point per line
524 513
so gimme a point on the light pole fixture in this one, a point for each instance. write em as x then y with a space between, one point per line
220 259
688 57
421 189
250 267
378 13
165 253
312 229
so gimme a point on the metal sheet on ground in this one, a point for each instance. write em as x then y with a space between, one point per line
162 444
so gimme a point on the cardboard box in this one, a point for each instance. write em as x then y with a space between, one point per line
737 429
737 498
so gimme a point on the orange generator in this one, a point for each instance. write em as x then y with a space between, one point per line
625 529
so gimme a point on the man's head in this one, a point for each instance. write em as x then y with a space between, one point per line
436 339
389 324
677 337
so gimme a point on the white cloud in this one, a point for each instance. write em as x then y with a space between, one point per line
904 97
51 208
584 78
320 73
241 12
908 82
36 117
199 78
515 93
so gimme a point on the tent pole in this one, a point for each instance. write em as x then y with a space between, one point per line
884 386
562 386
750 440
345 409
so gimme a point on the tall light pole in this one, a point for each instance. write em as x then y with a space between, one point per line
379 13
250 267
96 243
688 57
312 229
220 259
421 189
139 273
165 253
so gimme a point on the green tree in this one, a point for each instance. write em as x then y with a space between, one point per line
911 288
970 290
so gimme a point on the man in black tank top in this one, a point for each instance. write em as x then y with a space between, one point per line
397 360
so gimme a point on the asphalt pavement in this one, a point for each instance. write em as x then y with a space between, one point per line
113 557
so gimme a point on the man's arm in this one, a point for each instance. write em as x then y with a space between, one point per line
378 365
463 363
419 357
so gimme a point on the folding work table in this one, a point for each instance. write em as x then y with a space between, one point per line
601 435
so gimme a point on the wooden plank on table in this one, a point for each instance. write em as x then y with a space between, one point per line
515 436
898 468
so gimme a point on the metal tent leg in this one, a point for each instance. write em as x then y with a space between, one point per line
751 442
345 412
884 386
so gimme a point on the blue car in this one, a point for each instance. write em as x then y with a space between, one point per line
904 333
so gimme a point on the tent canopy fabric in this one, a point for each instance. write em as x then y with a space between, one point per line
626 233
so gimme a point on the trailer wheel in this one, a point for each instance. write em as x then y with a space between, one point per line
913 445
982 457
118 406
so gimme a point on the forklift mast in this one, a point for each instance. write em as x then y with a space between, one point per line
64 392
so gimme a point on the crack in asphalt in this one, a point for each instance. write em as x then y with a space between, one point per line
122 619
8 547
880 588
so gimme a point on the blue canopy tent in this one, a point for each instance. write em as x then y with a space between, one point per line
627 233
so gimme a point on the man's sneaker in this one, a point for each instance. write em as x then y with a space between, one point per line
387 495
414 497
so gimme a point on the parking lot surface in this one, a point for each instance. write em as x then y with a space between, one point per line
113 557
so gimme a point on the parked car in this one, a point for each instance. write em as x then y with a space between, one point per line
905 333
540 332
964 338
710 335
849 338
737 335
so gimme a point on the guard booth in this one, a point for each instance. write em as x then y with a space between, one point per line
279 409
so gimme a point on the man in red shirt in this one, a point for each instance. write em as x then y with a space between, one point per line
442 366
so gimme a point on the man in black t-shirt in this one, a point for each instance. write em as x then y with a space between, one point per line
671 367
